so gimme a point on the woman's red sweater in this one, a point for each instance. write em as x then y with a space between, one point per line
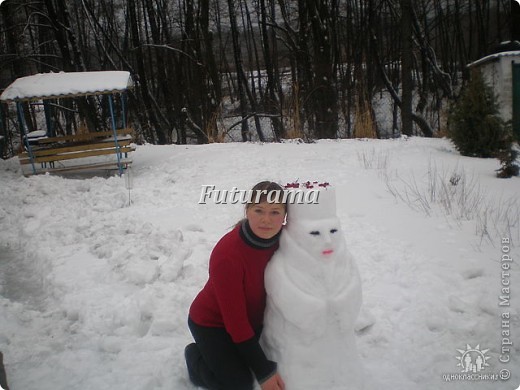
234 295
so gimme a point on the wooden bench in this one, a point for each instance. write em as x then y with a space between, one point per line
51 150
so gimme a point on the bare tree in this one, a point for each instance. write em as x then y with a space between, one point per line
308 66
406 67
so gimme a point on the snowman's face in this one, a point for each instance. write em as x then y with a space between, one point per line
322 238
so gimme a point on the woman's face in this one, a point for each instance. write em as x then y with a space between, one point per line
266 219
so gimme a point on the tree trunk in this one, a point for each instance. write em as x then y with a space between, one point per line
143 80
239 71
324 96
420 121
72 57
271 101
406 67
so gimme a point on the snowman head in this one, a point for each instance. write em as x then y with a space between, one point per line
314 226
321 238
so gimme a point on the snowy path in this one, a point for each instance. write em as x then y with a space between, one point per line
94 293
18 281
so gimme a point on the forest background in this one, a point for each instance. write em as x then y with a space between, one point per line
262 69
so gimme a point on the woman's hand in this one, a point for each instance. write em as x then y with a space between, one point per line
273 383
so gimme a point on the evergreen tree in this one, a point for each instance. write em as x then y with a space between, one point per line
475 126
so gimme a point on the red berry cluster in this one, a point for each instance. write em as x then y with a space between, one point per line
307 184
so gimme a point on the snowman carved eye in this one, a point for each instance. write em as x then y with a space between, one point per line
333 230
315 233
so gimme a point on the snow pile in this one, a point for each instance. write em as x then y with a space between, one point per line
95 290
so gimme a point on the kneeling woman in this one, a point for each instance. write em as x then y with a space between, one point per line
226 317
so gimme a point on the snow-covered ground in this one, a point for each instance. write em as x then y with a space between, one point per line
94 291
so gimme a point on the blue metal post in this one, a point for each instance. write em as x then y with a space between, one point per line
21 120
118 153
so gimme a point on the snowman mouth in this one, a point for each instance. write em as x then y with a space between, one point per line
327 252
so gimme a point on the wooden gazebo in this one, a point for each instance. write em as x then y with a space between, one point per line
44 151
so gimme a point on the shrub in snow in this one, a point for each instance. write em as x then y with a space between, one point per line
474 125
508 164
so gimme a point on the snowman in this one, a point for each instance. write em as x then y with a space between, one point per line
313 300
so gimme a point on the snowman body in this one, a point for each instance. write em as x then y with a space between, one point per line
313 300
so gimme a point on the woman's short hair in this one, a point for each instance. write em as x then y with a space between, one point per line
266 191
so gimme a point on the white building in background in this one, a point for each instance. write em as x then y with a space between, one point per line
501 70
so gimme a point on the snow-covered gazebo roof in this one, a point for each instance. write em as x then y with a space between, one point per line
61 85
